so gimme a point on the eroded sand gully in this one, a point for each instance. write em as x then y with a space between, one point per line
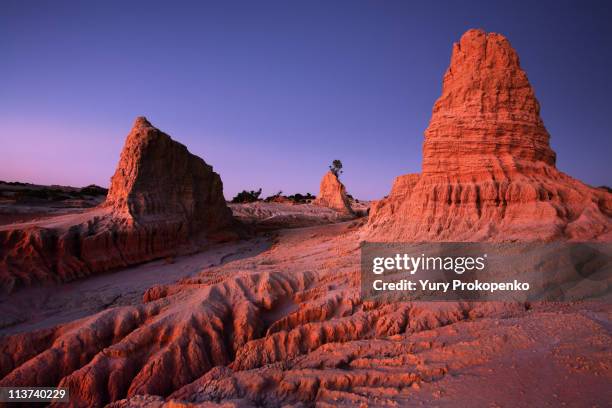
46 306
286 326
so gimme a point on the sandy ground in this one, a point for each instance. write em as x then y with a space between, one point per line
9 214
42 307
277 321
37 308
60 221
269 216
439 354
266 216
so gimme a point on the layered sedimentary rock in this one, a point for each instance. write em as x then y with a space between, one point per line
163 200
488 170
332 194
157 178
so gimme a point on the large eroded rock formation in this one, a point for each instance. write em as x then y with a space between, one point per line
163 200
157 177
488 169
332 194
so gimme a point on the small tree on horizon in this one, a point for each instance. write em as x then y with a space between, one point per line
336 168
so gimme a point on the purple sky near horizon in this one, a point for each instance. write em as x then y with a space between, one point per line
270 92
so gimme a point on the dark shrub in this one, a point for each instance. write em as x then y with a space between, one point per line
274 197
247 196
301 198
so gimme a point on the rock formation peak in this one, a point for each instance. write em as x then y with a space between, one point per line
142 121
487 120
488 170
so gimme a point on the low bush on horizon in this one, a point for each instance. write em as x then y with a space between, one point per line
251 196
247 197
274 197
301 198
296 198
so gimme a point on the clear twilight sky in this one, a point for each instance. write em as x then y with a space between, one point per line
270 92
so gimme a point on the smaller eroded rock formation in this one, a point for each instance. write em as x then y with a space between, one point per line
332 194
488 169
162 201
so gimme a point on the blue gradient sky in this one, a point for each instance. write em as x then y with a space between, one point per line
270 92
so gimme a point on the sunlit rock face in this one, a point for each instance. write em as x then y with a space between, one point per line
487 120
488 170
157 177
332 194
162 201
